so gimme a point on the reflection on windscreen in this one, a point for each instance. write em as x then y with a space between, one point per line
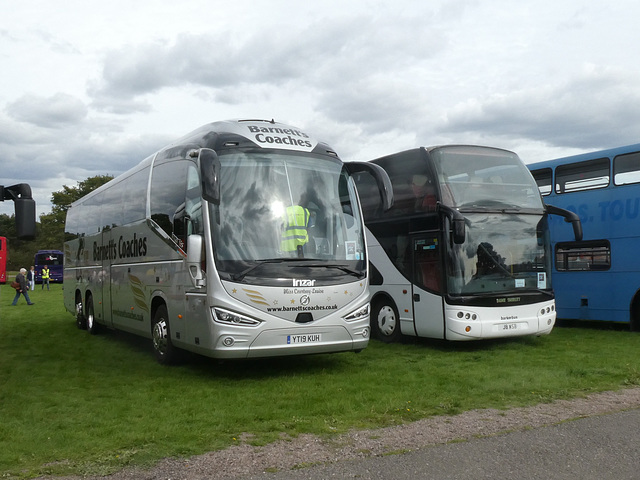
501 253
285 206
484 177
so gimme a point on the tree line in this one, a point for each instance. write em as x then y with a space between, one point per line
50 228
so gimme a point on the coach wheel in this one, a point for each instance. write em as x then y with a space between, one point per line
92 326
385 321
163 348
81 321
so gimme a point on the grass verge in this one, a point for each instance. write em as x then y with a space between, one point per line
72 403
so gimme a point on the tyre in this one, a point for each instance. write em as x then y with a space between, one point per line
165 352
92 326
385 321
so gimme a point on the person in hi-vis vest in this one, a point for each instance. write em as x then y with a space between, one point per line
45 277
296 224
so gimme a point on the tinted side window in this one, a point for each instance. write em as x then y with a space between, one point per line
626 169
583 256
188 218
90 214
582 176
111 211
168 187
543 179
415 188
395 241
135 197
72 225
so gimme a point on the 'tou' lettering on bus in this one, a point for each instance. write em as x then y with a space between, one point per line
241 239
596 278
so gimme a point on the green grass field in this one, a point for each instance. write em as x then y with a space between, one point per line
72 403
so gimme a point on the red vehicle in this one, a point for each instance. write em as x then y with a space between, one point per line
3 259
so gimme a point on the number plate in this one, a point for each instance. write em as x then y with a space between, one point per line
305 338
509 326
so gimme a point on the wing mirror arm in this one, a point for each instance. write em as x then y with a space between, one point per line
194 260
457 222
209 174
569 217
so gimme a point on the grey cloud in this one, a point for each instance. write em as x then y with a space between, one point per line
587 112
383 104
110 153
38 156
14 134
120 106
204 60
325 53
52 112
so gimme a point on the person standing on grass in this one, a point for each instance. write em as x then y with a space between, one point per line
31 277
22 289
45 276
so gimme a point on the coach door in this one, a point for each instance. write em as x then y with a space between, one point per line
427 285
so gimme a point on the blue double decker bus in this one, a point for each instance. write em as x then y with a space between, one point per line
597 278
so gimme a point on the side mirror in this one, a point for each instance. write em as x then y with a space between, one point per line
194 260
210 175
459 232
457 223
569 217
381 177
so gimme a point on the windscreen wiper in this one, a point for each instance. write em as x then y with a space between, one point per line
491 205
236 277
339 266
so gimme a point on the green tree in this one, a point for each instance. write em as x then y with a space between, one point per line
51 233
50 230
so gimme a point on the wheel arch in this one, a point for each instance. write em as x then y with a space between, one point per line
634 313
164 350
381 296
89 314
156 302
88 294
379 300
79 304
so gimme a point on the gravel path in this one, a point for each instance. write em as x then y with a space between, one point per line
244 461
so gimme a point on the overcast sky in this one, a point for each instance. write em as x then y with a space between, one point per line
91 88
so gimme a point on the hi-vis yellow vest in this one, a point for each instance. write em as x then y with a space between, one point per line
295 230
45 273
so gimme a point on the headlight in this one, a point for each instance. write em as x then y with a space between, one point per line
358 314
466 315
231 318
